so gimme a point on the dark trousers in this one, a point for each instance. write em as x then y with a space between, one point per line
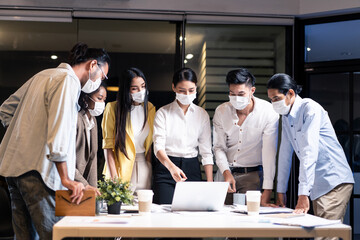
164 184
245 182
33 206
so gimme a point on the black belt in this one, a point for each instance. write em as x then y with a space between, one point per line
245 169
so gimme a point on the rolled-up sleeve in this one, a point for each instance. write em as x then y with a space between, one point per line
108 127
219 143
269 148
159 137
62 116
205 142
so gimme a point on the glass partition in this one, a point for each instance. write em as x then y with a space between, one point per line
213 50
332 41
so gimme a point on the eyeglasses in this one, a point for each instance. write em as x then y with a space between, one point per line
106 77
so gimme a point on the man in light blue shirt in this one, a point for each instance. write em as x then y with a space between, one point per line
37 153
324 172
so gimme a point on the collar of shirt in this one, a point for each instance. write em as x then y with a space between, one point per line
72 73
255 108
177 107
89 123
295 107
68 67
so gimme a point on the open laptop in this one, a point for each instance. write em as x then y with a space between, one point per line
199 196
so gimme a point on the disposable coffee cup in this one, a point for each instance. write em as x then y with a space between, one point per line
253 202
145 201
239 198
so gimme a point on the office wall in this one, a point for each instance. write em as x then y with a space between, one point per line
311 7
278 7
240 7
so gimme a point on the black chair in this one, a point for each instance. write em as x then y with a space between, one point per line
6 230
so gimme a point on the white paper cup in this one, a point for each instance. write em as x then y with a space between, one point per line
239 198
253 202
145 201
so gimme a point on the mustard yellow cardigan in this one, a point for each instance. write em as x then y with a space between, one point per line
124 165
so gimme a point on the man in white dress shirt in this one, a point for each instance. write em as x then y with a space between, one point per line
37 153
245 132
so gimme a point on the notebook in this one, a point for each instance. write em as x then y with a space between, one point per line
199 196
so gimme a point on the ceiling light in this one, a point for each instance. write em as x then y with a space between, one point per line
308 49
189 56
181 38
54 57
185 61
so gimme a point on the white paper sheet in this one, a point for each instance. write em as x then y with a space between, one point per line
263 210
306 221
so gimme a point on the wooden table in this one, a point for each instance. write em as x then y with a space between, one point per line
199 225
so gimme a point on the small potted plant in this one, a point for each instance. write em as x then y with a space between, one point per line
115 192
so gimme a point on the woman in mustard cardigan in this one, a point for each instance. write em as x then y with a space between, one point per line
127 132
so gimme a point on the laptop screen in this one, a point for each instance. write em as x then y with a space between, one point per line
199 196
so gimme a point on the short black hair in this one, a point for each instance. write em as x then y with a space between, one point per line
240 76
186 74
81 53
283 83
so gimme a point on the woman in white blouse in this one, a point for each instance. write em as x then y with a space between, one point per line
127 132
181 132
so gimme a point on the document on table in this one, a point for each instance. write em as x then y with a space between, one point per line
263 210
306 221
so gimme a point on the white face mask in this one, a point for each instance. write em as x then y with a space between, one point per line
238 102
90 85
185 99
98 108
139 97
280 107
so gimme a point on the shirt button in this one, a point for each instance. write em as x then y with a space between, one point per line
234 160
292 125
234 123
240 130
238 150
298 151
239 141
295 139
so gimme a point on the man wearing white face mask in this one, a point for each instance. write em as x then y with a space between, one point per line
37 153
324 173
92 105
245 131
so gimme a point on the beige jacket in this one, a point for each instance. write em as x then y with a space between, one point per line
86 156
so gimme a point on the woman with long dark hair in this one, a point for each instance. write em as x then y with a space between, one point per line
127 131
92 105
181 132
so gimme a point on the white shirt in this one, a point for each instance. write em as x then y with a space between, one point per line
183 135
41 117
251 144
89 124
137 122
